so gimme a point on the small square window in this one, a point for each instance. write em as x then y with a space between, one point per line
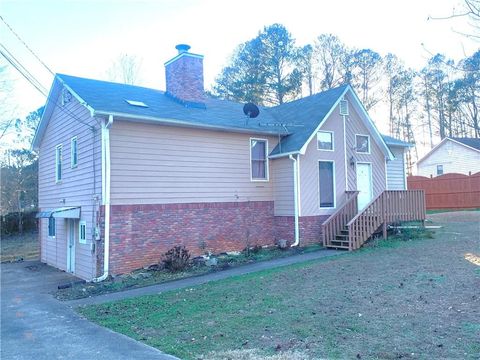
51 226
82 235
73 152
325 140
362 144
439 169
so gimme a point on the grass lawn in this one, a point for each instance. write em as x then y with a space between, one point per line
142 277
17 247
400 299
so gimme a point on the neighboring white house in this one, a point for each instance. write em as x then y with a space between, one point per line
451 155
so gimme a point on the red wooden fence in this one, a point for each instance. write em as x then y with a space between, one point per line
448 191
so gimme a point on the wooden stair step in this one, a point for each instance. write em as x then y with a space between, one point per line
337 247
339 243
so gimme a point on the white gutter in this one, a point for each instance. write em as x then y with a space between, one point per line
187 124
295 198
106 195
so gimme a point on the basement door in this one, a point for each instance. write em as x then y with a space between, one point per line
364 184
71 245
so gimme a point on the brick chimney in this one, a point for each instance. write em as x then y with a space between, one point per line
184 77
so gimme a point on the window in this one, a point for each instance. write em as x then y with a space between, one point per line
58 163
51 226
362 144
325 140
73 152
258 158
82 235
439 169
136 103
326 177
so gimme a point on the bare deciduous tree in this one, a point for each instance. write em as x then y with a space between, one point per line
125 69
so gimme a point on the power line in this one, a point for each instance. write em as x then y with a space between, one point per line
22 70
25 44
34 82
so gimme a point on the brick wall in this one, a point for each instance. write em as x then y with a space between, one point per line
140 234
184 79
310 228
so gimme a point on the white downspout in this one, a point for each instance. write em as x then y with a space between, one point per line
295 199
106 194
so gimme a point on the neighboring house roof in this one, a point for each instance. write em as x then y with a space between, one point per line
391 141
104 98
470 143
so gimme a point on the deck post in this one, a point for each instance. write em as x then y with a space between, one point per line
384 230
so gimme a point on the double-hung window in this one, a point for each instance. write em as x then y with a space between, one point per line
73 152
258 159
58 163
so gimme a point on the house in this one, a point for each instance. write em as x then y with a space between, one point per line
127 172
451 155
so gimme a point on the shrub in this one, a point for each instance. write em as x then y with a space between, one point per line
176 259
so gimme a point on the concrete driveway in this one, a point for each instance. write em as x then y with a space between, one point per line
34 325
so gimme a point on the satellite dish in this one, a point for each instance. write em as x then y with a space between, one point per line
251 110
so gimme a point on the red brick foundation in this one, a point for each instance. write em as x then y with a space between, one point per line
310 228
141 234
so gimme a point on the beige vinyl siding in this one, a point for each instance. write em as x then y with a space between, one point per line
156 164
309 176
309 169
396 170
454 157
354 125
283 186
76 186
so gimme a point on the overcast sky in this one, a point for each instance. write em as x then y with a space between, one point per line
83 38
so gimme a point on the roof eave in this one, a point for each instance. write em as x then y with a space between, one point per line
186 124
280 155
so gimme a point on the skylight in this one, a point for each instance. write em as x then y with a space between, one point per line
136 103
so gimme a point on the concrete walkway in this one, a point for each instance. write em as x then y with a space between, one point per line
197 280
34 325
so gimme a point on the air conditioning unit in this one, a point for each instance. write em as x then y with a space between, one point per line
343 107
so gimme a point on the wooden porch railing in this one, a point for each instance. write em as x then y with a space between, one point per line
390 206
339 219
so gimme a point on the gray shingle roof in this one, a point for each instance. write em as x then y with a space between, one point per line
110 97
472 142
307 112
395 142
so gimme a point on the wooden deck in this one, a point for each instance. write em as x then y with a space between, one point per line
349 229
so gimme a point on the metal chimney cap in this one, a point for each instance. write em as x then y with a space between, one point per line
182 48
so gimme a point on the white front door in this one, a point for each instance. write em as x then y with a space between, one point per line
364 184
71 245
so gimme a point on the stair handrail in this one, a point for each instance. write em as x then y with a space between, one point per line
352 198
359 233
365 208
